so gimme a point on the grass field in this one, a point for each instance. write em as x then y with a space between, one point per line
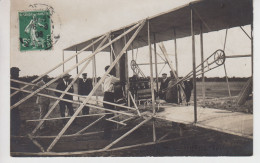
219 89
195 142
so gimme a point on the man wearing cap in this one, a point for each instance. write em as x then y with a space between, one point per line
15 114
163 86
84 88
43 102
62 85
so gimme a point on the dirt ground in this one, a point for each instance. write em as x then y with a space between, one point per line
193 142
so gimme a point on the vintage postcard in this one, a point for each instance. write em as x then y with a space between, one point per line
113 78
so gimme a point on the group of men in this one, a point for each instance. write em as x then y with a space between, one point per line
43 103
170 91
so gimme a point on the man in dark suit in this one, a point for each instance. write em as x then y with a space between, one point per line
163 86
172 90
188 86
62 85
84 88
15 113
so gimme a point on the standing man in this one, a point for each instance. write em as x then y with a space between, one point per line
62 85
172 90
15 114
43 102
84 88
188 86
163 86
108 87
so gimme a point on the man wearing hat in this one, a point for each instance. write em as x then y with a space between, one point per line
163 86
62 85
15 114
172 92
43 102
84 88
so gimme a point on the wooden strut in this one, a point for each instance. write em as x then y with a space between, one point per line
76 102
193 64
252 52
70 135
97 85
162 47
151 77
35 142
77 60
59 118
127 133
137 109
164 136
238 56
151 66
140 64
176 64
115 116
225 70
162 68
117 122
67 93
245 33
95 151
87 58
202 64
67 89
125 120
88 126
62 63
156 51
63 66
94 68
156 63
127 86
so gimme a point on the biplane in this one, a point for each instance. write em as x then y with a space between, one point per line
195 18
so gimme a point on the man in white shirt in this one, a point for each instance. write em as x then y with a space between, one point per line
108 88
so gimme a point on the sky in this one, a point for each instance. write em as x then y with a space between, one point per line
83 19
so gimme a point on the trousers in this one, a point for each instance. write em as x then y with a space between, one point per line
108 126
63 105
43 109
15 121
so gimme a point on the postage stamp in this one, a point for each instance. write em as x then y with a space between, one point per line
35 30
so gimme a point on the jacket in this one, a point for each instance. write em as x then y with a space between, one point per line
61 86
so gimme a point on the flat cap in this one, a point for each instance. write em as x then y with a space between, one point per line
15 69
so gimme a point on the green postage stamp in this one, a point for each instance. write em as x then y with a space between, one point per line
35 30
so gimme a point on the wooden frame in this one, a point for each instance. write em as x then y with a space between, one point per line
96 86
